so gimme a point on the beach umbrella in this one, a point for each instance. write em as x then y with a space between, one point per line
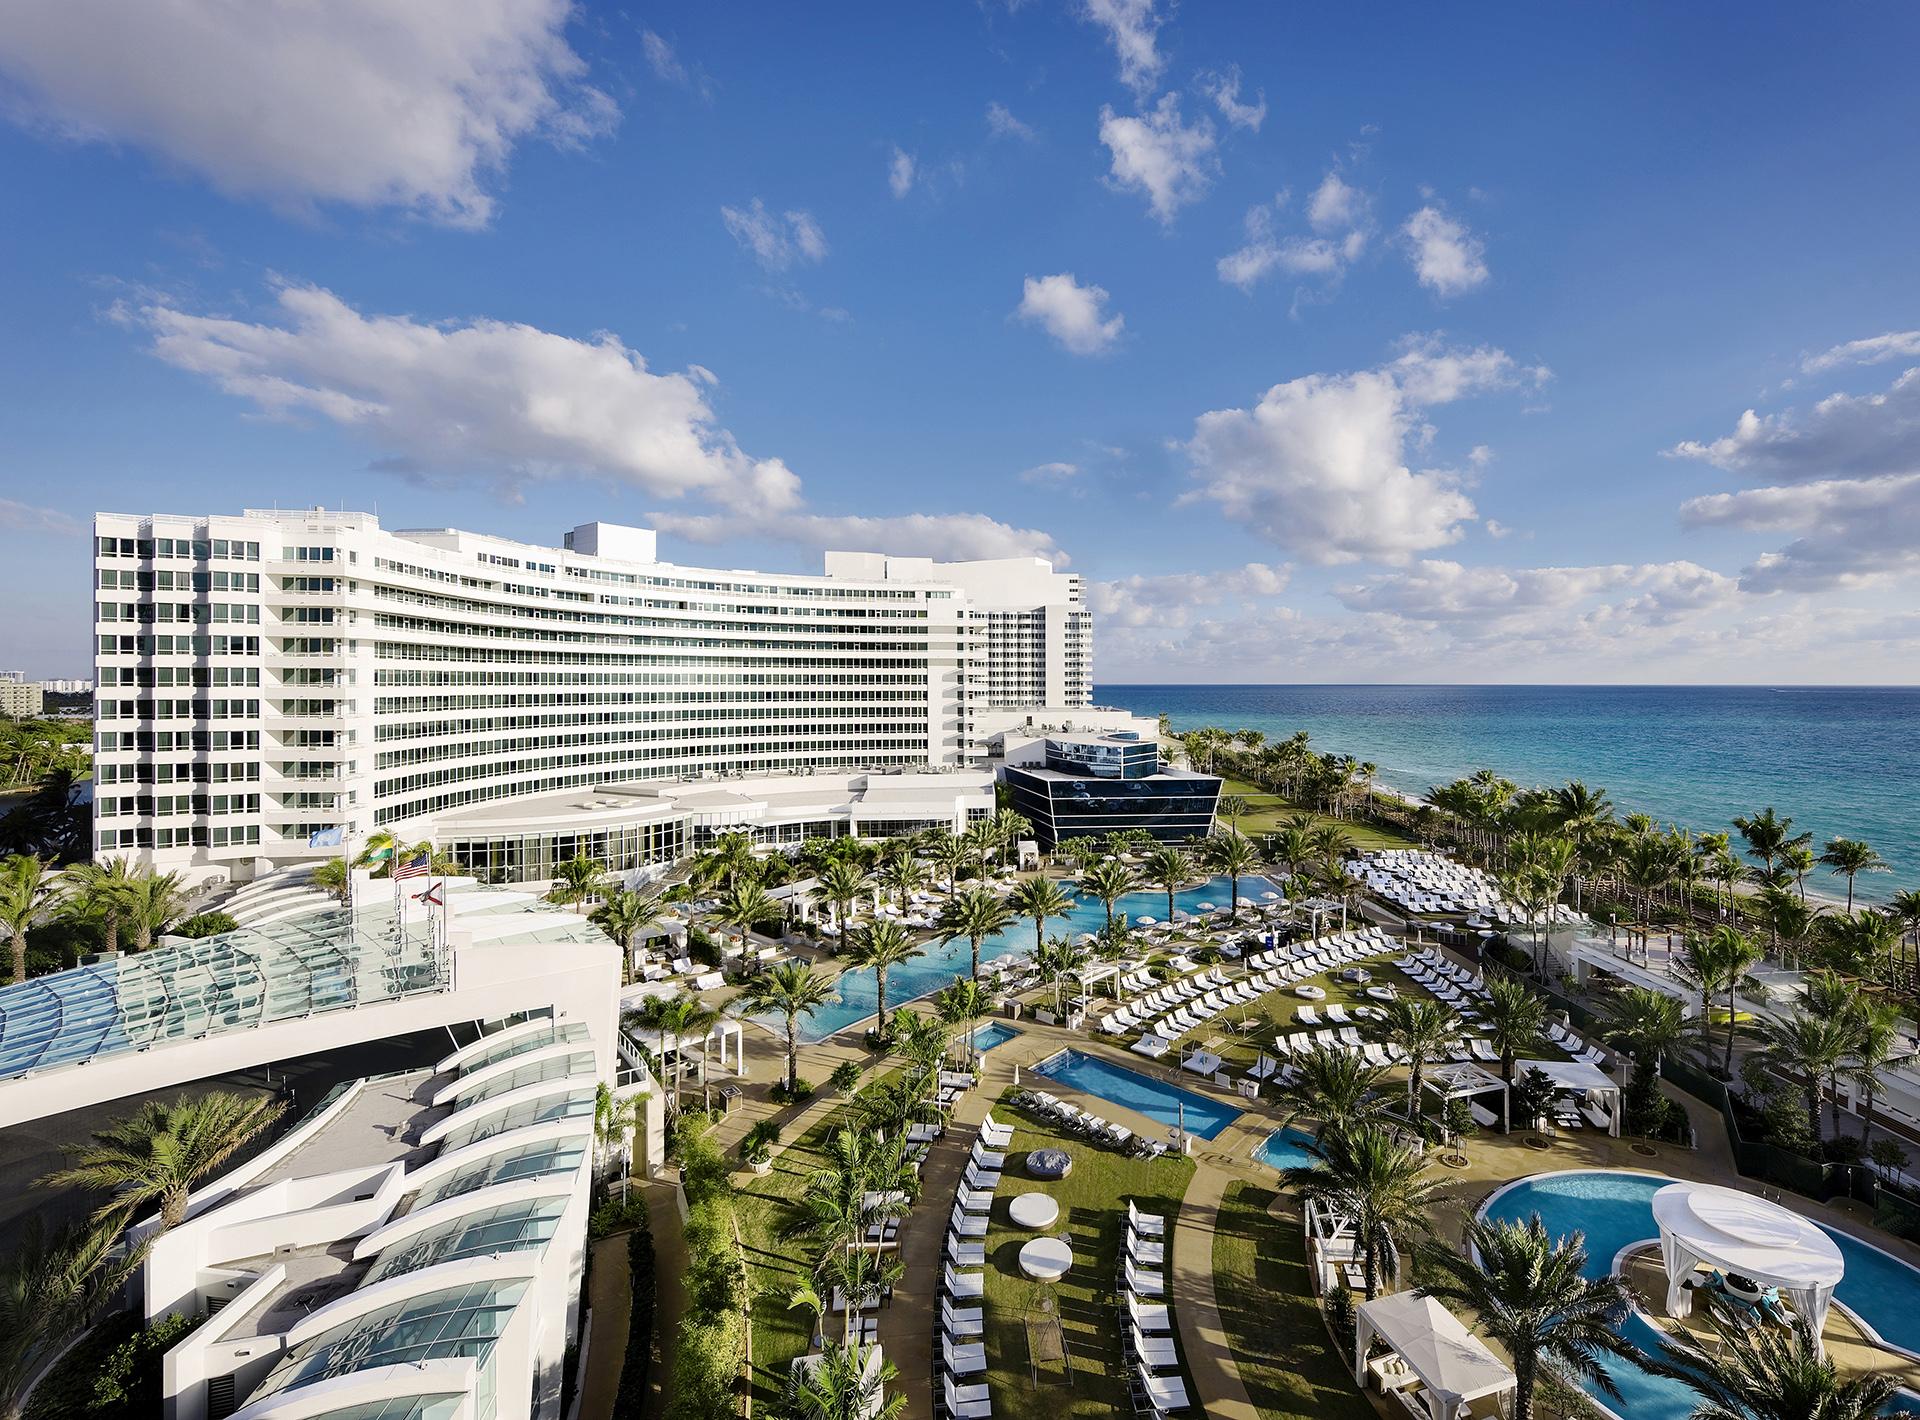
1145 921
1270 897
1244 901
1204 906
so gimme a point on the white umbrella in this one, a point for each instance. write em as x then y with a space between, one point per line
1244 901
1204 906
1144 921
1270 897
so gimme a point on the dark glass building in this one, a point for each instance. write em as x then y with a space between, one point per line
1091 785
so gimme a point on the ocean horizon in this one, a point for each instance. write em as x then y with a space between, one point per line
1841 760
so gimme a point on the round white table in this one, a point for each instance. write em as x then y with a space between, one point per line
1046 1259
1033 1210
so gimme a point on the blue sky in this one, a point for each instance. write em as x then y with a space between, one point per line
1331 344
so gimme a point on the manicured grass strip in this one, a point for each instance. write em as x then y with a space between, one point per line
1093 1209
1266 813
1261 1283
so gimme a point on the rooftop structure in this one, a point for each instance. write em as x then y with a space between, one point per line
1080 785
316 978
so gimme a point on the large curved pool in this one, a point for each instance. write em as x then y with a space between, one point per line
943 962
1614 1209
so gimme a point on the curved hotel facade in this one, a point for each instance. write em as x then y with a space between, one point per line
272 676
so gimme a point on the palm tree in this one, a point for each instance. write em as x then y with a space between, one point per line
1799 859
1648 1025
1584 815
1420 1027
1232 854
1375 1182
730 858
1875 1048
903 875
576 880
948 852
1039 898
840 883
97 892
155 901
960 1005
1848 858
1516 1018
624 916
614 1121
1813 1045
1768 835
1737 954
157 1154
1057 960
1530 1293
1905 909
743 906
882 945
1109 881
1291 848
1167 868
844 1385
975 914
1864 942
332 876
52 1287
1702 964
1337 1089
1763 1373
28 894
789 991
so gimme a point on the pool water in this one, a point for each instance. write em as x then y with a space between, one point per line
989 1036
1287 1149
944 962
1157 1100
1615 1210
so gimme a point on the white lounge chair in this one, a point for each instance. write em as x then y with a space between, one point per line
969 1321
1141 1282
963 1360
1148 1225
968 1225
1165 1392
963 1286
967 1402
1151 1318
965 1254
1153 1351
994 1134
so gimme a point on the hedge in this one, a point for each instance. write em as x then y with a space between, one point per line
711 1348
636 1369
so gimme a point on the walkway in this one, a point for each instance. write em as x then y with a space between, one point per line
611 1299
1212 1373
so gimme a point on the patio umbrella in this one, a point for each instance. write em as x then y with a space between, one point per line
1269 897
1145 921
1204 906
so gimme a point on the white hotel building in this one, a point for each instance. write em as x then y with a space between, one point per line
269 675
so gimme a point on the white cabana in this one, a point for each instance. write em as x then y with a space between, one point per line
1596 1087
1451 1365
1463 1080
1095 972
1744 1234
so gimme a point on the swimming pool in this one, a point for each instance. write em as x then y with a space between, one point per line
858 995
1615 1210
1142 1094
1287 1149
991 1035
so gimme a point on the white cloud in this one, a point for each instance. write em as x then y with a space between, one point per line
1170 599
1337 206
661 58
945 535
1055 473
1224 90
24 517
509 403
1497 529
1853 531
1894 345
1446 257
776 242
1002 124
1319 465
1132 28
1844 435
1447 592
1154 153
900 172
1072 314
1338 213
358 102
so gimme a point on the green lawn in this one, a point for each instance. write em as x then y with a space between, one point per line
1272 1321
1093 1209
1267 812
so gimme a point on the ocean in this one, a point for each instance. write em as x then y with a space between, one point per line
1840 761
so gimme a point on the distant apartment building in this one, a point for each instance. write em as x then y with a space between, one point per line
266 678
20 699
67 687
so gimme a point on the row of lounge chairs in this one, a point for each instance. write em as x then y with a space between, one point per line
1075 1120
1153 1362
962 1352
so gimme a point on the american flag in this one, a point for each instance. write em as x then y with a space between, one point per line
412 867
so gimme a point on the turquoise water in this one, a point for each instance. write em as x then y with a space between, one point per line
945 962
989 1036
1287 1149
1615 1210
1156 1099
1840 761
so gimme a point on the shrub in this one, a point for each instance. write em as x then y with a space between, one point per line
1340 1316
845 1078
631 1398
757 1147
128 1382
614 1215
206 924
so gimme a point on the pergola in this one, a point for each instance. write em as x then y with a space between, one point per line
1576 1077
1453 1367
1463 1080
1587 957
1741 1233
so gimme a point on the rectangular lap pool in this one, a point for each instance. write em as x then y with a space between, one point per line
989 1036
1129 1089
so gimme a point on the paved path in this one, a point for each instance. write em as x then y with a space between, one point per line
611 1297
1213 1377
